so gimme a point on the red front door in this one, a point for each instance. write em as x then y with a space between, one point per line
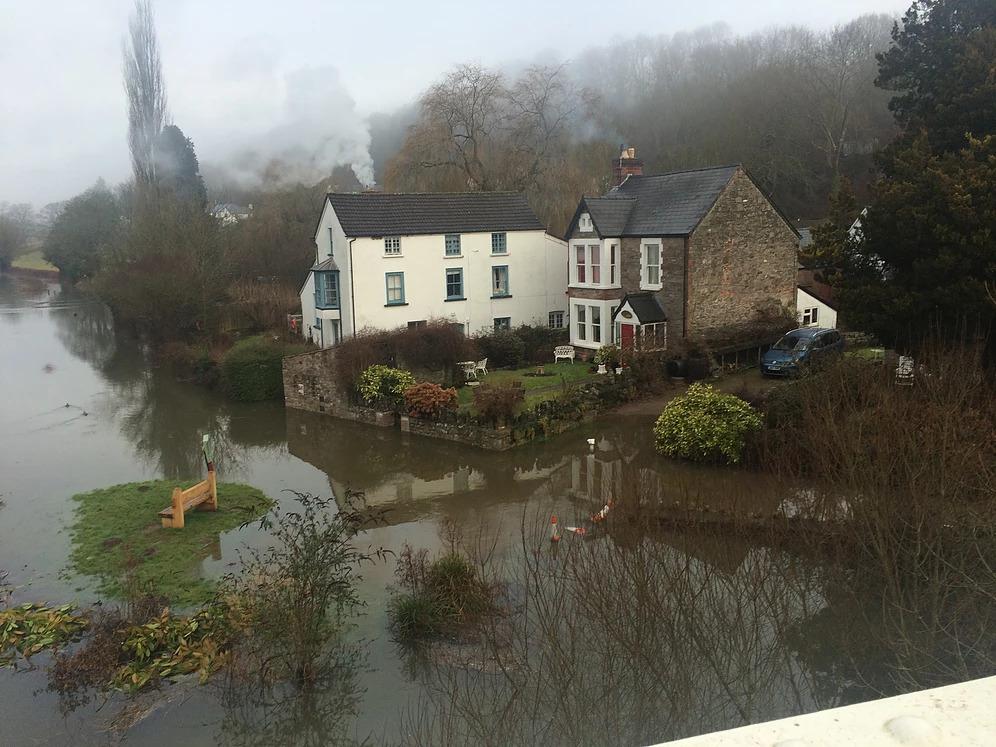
626 332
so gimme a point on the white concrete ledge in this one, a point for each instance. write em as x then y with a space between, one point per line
961 714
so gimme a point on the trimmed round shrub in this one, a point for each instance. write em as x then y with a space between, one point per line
429 400
705 425
383 385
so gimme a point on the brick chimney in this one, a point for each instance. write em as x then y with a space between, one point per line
627 164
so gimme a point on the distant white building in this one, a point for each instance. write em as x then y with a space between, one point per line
477 259
815 308
228 213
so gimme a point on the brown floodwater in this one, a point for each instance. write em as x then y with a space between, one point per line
83 407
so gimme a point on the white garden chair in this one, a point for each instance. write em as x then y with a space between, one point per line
469 369
563 351
482 366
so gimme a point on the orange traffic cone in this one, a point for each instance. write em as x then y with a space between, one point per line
554 530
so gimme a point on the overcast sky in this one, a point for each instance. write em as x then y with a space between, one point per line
245 72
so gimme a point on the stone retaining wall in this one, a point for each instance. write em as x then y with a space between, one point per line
309 384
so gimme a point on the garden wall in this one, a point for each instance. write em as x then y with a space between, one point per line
310 384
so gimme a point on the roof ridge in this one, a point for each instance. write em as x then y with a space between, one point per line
686 171
427 194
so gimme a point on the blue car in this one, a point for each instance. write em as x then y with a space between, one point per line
801 350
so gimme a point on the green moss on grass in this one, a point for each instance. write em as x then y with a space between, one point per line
119 526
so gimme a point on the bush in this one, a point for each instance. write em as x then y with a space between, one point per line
384 386
251 370
705 425
497 402
428 400
502 347
608 355
441 597
539 342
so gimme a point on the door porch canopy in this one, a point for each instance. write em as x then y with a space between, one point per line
640 322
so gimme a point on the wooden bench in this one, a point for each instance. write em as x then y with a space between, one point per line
563 351
202 496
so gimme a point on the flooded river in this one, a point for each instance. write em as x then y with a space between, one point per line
84 408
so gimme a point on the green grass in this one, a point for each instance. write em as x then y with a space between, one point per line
118 525
538 388
33 260
867 354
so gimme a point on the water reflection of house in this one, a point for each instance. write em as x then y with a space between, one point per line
415 477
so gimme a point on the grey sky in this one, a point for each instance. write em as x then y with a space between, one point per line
231 66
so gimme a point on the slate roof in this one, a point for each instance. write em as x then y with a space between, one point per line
646 307
669 204
328 264
387 214
609 214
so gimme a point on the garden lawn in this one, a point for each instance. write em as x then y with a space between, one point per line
538 388
120 525
33 261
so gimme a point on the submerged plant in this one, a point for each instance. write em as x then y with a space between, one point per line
297 594
28 629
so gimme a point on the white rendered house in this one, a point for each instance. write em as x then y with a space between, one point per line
477 259
814 308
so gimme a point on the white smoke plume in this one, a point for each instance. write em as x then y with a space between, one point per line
315 127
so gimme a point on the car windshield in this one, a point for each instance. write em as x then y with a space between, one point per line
791 342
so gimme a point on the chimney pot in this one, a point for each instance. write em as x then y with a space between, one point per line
626 165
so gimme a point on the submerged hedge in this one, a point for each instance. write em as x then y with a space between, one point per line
251 370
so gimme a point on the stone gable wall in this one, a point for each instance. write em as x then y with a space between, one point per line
742 263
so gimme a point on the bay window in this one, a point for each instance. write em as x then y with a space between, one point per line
582 322
327 290
587 265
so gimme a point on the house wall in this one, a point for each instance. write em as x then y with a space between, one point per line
670 295
742 260
537 272
826 316
330 240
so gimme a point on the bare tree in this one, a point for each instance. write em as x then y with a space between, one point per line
841 67
146 91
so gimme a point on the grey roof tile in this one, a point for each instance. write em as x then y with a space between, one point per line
645 305
386 214
667 204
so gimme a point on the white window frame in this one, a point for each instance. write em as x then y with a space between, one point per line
810 316
582 319
589 257
446 245
555 316
392 246
645 265
595 313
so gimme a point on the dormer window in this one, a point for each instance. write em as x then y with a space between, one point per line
584 222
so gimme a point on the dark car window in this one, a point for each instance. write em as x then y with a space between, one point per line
791 342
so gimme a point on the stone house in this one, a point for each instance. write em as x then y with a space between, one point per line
699 254
476 259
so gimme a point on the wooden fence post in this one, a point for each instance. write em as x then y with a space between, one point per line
177 508
211 504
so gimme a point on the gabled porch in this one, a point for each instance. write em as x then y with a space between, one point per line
640 323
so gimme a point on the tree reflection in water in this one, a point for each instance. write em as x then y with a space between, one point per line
258 712
633 639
